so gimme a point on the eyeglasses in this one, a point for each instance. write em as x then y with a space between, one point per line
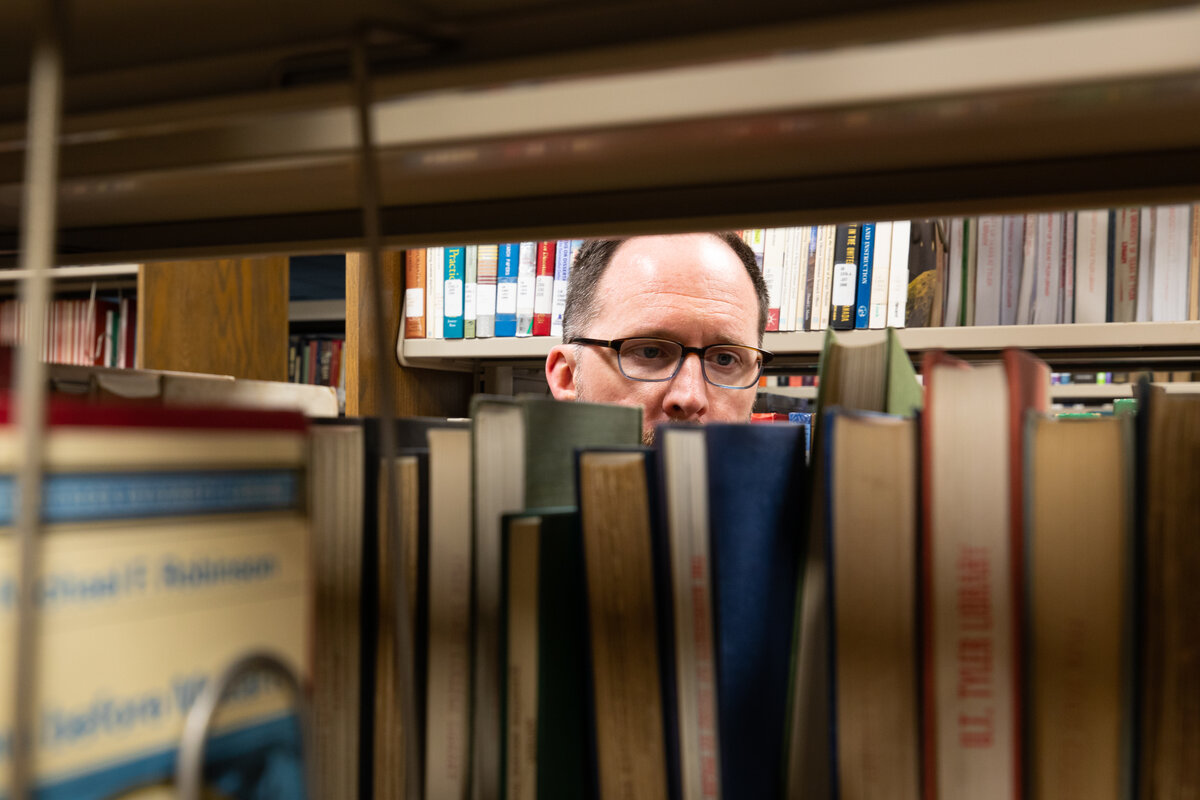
729 366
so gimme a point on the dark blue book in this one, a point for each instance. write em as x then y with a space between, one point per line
507 267
804 418
862 312
756 477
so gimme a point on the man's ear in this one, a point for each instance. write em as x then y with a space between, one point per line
560 372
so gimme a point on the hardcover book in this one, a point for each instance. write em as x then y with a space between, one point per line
526 283
452 304
543 294
862 307
485 299
845 276
471 292
507 266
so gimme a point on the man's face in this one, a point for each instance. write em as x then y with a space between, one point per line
691 289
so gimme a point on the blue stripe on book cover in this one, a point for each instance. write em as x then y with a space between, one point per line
863 296
262 760
754 522
86 497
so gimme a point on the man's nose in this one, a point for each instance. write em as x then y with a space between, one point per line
687 392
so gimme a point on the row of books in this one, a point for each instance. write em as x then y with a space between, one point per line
88 332
693 619
176 541
316 359
480 291
1105 265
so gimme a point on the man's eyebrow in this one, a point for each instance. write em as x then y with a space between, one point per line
655 333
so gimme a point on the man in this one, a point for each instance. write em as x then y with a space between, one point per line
638 309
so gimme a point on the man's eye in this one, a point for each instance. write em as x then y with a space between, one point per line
724 358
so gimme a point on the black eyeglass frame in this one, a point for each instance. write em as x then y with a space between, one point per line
616 344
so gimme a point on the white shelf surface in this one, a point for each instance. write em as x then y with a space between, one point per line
1109 336
73 273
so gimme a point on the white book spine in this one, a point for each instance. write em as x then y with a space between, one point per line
773 248
881 262
804 243
1013 253
898 273
471 286
1172 241
1126 224
1145 285
1049 269
954 275
435 280
989 267
563 255
827 273
791 272
526 280
1029 258
1091 266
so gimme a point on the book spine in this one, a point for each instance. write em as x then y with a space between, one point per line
1145 284
1194 266
970 268
772 270
507 261
1013 254
471 292
845 273
862 306
952 313
923 275
1049 269
485 298
1029 260
564 255
898 273
1172 242
435 265
543 290
881 262
788 304
453 292
526 281
1091 266
756 239
414 294
1067 284
810 276
989 264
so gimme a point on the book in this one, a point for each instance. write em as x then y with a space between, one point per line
1124 232
756 240
1147 224
1091 266
546 701
862 300
824 280
1167 508
1172 245
972 534
1080 588
1194 266
1048 269
470 291
685 500
452 291
507 266
881 261
970 268
526 284
1012 268
873 601
774 241
1029 261
543 290
564 257
989 261
898 273
925 253
845 275
810 278
448 711
435 282
414 293
626 702
137 613
755 476
1066 301
955 281
795 259
485 300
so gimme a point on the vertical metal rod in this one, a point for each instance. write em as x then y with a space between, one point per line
37 253
386 398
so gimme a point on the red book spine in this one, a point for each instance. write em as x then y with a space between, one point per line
543 288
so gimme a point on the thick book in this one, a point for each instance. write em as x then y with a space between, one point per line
825 260
989 269
1172 245
1147 228
845 275
871 480
1028 283
1194 266
881 262
1168 506
507 267
795 258
414 293
626 701
543 290
527 260
1091 266
471 291
1048 270
862 299
452 292
1012 268
1080 608
755 479
485 298
972 546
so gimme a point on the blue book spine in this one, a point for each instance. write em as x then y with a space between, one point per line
507 266
862 312
94 496
452 298
804 418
